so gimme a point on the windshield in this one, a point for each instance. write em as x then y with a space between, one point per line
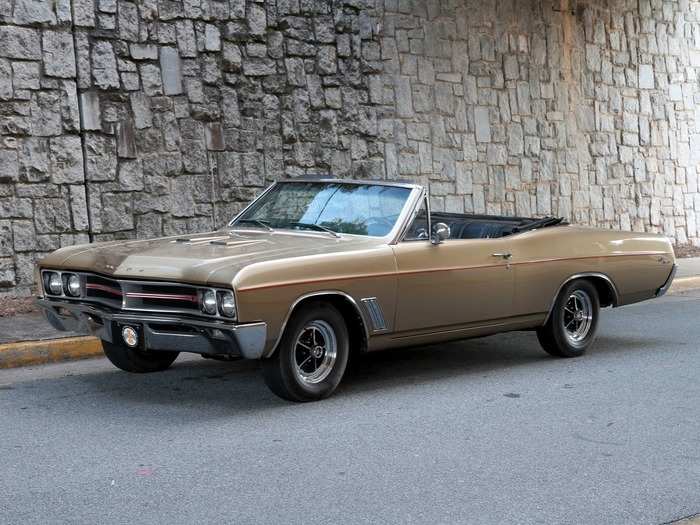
359 209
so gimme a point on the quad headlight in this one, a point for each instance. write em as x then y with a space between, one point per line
53 284
72 284
218 302
227 304
209 302
65 283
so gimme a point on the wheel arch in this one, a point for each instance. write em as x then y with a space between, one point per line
604 285
358 331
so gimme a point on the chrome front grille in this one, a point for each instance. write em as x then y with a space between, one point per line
159 296
103 290
144 296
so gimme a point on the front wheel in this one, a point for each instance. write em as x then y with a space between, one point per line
312 356
133 360
572 324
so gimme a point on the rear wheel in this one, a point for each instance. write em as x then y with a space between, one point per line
133 360
572 325
312 355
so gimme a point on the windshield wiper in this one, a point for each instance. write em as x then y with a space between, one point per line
316 227
259 222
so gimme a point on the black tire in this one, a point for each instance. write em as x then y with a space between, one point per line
554 336
136 361
280 371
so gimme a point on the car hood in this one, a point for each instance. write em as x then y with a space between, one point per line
212 258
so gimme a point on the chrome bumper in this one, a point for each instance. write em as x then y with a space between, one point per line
662 291
159 331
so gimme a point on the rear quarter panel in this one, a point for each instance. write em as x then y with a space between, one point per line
637 263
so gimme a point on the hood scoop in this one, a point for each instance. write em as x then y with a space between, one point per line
232 243
215 241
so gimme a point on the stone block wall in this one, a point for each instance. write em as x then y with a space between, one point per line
42 183
588 110
125 119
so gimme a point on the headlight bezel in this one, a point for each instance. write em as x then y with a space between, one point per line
208 302
52 283
217 308
55 283
226 310
68 279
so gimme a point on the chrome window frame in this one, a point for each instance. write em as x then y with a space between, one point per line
423 197
390 238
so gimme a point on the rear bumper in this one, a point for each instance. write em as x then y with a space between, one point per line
662 291
160 331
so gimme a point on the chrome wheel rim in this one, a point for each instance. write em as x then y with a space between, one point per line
315 352
577 317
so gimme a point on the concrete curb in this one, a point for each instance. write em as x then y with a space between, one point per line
684 284
27 353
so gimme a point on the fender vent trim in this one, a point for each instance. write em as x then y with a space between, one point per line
374 311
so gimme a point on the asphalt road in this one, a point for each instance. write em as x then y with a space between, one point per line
483 431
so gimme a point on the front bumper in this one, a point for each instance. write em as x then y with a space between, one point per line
159 331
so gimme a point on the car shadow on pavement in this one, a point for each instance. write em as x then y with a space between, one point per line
202 389
225 388
479 357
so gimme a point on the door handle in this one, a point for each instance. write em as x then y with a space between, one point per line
505 256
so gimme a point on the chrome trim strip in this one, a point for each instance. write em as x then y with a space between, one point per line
430 215
508 263
464 327
313 281
370 182
616 294
301 298
580 258
256 199
422 197
103 288
403 222
166 297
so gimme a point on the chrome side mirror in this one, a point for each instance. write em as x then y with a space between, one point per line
441 231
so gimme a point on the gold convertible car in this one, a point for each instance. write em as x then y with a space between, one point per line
314 270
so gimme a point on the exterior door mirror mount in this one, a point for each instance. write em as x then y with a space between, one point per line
441 232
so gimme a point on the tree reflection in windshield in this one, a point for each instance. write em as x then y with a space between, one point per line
359 209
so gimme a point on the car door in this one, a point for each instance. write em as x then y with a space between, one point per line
456 282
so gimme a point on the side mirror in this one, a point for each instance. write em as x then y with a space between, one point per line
441 231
